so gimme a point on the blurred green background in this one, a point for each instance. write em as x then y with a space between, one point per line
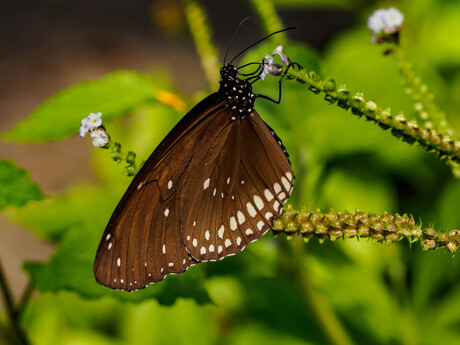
361 292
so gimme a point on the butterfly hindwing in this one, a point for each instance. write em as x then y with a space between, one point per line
241 188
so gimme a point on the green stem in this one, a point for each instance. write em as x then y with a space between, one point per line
269 18
443 146
199 28
13 314
325 316
429 113
385 228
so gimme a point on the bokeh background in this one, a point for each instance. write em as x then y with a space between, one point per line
377 294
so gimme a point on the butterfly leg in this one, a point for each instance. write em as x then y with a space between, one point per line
279 83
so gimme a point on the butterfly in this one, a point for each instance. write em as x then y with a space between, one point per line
213 185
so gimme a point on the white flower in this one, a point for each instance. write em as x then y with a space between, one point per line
100 137
279 50
386 21
266 66
90 122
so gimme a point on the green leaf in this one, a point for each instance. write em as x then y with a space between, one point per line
16 188
114 95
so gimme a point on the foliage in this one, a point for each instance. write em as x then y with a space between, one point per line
276 291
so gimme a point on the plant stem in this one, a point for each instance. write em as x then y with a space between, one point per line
445 147
325 316
386 228
429 113
269 18
13 314
199 28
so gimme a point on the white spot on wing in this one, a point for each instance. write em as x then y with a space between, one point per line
206 183
118 262
258 201
238 241
286 183
219 249
277 188
214 192
268 195
276 206
139 185
228 243
228 180
170 183
289 176
107 237
195 242
203 250
109 246
260 225
171 264
211 248
164 248
233 224
251 210
268 215
241 218
249 232
207 235
220 232
282 195
167 212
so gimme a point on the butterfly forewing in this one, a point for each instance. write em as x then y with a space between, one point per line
142 242
241 188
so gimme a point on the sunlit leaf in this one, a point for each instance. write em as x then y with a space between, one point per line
16 188
114 95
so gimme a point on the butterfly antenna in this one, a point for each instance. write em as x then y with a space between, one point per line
261 40
233 37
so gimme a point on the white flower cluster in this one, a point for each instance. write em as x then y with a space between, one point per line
92 124
270 67
385 21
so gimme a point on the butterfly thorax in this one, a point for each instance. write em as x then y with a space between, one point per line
237 92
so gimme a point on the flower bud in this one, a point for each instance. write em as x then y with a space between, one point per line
357 103
370 109
321 229
343 96
428 244
447 143
329 84
412 128
350 232
435 139
130 157
364 231
335 234
399 121
385 116
278 225
307 228
452 246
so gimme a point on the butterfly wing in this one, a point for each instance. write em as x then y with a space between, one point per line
231 196
142 242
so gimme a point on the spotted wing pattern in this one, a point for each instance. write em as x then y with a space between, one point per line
242 186
142 242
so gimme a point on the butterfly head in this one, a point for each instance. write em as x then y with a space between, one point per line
237 92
